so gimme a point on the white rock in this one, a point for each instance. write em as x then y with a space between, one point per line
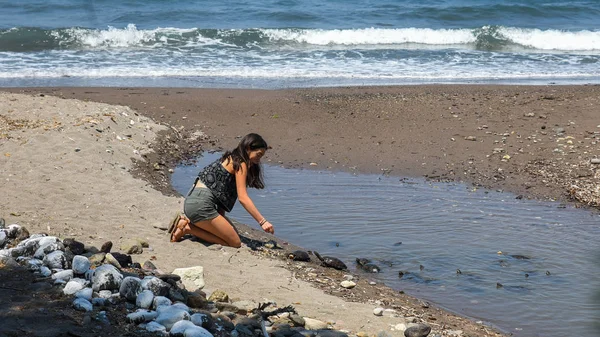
56 259
106 277
378 311
179 328
168 316
390 312
45 271
348 284
74 286
314 324
400 327
192 277
199 319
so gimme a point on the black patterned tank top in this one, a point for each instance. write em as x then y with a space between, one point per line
221 183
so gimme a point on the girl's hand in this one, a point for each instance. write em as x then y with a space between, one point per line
268 227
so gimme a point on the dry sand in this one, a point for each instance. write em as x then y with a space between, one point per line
99 172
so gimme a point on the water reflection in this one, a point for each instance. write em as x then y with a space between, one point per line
525 266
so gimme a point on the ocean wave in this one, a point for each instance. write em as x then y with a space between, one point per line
489 38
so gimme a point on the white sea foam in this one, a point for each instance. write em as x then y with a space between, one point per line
553 39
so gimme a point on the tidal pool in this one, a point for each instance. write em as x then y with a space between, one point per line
530 268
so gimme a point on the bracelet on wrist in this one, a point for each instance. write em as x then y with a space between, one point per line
263 221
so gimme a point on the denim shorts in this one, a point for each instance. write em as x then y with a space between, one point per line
200 205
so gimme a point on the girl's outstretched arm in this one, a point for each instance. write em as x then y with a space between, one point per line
242 192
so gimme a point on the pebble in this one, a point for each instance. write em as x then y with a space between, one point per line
348 284
595 161
378 311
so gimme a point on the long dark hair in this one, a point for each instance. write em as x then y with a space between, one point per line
251 141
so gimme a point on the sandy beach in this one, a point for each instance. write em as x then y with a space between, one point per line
93 164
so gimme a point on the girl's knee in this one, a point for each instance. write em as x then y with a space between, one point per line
235 242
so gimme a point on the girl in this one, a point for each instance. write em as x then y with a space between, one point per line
215 191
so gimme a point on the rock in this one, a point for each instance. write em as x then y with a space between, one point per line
123 259
203 320
85 293
80 264
132 247
420 330
76 247
471 138
56 260
160 300
168 316
348 284
46 249
176 295
110 259
74 286
390 312
195 300
156 285
97 259
141 316
314 324
106 277
106 247
130 288
196 331
192 277
155 327
144 299
3 238
218 296
149 266
178 329
378 311
330 333
595 160
82 305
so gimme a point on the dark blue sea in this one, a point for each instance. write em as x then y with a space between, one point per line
290 43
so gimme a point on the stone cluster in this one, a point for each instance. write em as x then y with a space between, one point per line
156 302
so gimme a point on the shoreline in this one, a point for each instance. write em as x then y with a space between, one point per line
64 145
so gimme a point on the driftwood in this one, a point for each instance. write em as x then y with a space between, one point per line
264 315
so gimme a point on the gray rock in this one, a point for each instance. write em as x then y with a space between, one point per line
104 293
106 277
420 330
80 264
132 247
176 295
34 264
99 301
12 231
141 316
130 288
330 333
144 299
82 305
196 331
56 259
157 286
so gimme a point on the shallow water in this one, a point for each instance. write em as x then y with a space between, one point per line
402 224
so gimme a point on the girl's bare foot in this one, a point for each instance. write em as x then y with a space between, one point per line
180 230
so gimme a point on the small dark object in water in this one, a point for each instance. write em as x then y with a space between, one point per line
499 285
337 244
398 243
332 262
366 265
402 273
458 271
520 257
299 255
526 275
421 267
519 197
548 272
